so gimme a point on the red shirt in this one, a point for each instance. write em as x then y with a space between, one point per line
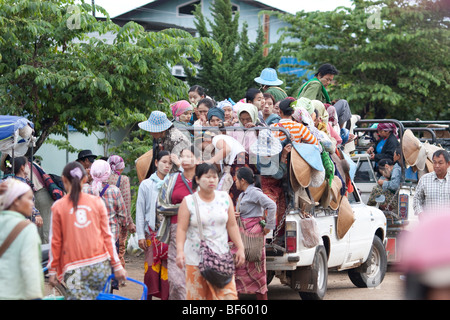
179 192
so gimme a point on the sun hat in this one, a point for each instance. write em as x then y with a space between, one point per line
321 194
300 168
86 154
269 77
345 219
311 154
143 164
335 193
157 122
266 145
413 151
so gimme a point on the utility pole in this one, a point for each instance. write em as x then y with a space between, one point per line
93 8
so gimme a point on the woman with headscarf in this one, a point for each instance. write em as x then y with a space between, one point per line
111 195
182 114
21 274
386 144
248 118
333 124
230 116
123 183
216 117
301 115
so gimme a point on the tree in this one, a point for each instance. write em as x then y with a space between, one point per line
56 75
392 55
241 61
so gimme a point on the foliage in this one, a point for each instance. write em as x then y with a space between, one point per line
56 71
392 55
242 60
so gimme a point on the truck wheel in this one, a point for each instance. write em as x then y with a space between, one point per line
319 271
371 273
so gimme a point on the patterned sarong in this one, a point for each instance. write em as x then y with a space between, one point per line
156 274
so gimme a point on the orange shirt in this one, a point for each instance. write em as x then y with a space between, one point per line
299 132
80 238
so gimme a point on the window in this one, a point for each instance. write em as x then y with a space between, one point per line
188 8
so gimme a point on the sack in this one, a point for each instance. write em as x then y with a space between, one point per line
226 181
253 243
310 231
217 269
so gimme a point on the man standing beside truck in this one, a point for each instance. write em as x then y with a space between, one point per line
433 190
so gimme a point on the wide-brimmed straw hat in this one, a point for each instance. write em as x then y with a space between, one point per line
266 145
345 219
335 193
413 151
311 154
143 164
157 122
300 168
321 194
269 77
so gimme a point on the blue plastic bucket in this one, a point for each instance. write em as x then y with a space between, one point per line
106 295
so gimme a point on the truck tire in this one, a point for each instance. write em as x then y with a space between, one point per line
371 273
320 270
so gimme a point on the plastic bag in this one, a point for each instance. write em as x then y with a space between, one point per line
310 231
133 246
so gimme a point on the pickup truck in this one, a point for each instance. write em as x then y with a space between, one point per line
361 251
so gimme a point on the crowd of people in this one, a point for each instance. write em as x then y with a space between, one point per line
202 165
236 176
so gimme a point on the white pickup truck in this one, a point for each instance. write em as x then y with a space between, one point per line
361 251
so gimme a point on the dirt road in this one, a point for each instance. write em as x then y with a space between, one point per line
339 286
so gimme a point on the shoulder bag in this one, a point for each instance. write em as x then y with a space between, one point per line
12 235
253 242
217 269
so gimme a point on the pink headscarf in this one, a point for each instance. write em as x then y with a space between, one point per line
388 127
15 189
116 163
100 172
332 114
180 107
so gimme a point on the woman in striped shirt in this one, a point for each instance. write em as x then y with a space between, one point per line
298 132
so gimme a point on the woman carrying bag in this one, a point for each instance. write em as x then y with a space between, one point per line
21 276
252 203
207 215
